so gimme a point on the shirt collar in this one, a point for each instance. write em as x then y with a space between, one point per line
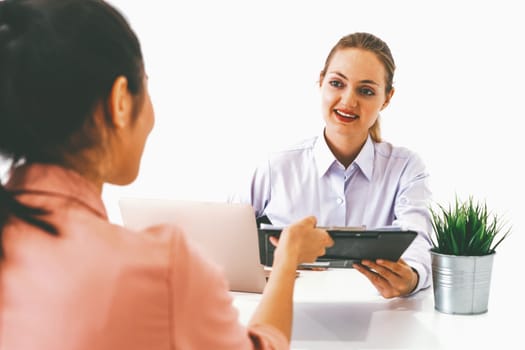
365 158
324 158
57 181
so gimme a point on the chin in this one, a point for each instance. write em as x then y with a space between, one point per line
124 178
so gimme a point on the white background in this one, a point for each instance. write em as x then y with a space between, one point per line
232 80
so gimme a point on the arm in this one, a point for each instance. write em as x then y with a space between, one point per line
411 273
412 212
299 243
203 316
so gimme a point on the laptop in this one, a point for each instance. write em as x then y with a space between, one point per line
225 232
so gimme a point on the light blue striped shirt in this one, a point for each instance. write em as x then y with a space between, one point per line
384 186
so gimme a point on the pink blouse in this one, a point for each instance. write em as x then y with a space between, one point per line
100 286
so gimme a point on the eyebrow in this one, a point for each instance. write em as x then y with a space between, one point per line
366 81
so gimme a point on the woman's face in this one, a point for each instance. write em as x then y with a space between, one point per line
352 93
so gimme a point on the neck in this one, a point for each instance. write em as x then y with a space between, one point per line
345 149
84 165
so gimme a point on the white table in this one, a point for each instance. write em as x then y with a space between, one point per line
339 309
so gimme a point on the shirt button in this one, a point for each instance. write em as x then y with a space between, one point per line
340 200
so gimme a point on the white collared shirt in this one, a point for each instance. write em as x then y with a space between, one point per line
383 186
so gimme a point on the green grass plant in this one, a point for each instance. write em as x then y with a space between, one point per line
466 228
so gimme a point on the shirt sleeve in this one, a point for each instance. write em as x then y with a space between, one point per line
412 212
260 188
203 315
255 189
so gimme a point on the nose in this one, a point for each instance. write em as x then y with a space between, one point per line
349 98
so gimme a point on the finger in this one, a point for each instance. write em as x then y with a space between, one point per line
328 240
274 240
322 252
370 264
375 278
381 285
402 280
392 279
407 278
387 267
397 267
310 220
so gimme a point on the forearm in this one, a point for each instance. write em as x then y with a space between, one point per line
300 242
276 305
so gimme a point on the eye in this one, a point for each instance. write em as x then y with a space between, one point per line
366 91
336 83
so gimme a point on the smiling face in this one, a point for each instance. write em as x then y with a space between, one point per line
353 92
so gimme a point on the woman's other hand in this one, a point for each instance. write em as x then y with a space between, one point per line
391 279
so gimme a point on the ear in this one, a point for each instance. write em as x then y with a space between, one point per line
388 98
120 103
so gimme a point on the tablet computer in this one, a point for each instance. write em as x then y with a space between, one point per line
351 245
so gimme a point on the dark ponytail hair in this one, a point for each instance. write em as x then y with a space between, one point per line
10 206
58 59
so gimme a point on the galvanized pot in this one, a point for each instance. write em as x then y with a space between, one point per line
461 283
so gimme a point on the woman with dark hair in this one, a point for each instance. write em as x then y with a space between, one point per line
75 113
347 175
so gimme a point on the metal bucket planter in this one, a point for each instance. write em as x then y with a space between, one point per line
461 283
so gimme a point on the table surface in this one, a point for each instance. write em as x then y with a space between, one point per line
340 309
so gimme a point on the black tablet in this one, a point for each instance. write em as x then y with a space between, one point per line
350 246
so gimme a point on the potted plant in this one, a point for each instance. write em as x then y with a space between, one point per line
466 235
